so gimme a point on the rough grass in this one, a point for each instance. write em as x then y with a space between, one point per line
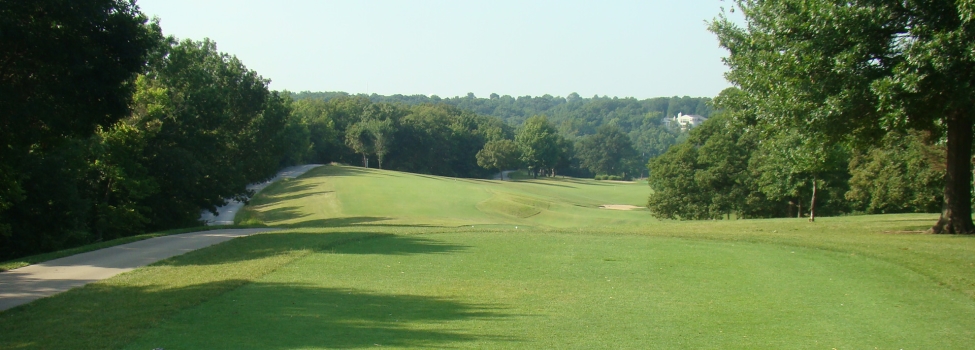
393 270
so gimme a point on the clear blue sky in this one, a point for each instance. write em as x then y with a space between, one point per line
640 49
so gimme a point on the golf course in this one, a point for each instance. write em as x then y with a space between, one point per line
374 258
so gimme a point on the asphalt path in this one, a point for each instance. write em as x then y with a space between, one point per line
225 214
23 285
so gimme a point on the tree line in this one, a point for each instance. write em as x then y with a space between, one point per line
730 166
111 128
879 89
648 122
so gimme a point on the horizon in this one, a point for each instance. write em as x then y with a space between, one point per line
622 49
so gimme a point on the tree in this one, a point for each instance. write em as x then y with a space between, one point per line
852 70
904 174
66 70
607 151
793 167
381 132
358 138
499 155
538 141
710 175
217 129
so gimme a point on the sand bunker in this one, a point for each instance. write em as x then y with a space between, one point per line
618 207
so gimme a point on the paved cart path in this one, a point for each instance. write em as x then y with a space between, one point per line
227 212
23 285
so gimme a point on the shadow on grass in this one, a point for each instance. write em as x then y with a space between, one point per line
272 244
300 316
542 182
284 190
262 316
334 171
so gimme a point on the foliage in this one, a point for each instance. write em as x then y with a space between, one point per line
499 155
67 70
905 174
648 122
850 71
606 152
712 174
218 129
539 143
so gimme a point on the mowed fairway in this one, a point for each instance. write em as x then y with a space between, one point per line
391 260
342 195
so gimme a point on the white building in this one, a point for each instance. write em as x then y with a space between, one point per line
688 121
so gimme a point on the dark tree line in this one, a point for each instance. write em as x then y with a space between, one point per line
428 138
111 129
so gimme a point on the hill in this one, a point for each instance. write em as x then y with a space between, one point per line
338 195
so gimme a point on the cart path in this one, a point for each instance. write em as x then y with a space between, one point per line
23 285
227 212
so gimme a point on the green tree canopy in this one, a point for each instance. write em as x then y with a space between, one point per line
539 144
606 152
67 69
851 70
499 155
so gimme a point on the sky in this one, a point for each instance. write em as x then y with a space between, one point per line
642 49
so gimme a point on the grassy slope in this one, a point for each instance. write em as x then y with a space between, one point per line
396 266
339 195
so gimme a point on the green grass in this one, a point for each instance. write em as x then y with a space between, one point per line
340 195
387 259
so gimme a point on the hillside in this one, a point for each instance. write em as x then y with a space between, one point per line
336 195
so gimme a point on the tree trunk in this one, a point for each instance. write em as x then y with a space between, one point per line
812 203
380 158
365 161
956 212
798 207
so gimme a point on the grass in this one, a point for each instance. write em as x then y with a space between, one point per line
391 265
339 195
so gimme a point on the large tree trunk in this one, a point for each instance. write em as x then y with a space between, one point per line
812 203
956 213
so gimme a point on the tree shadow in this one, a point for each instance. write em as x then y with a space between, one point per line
280 214
336 171
272 244
538 182
284 190
260 316
302 316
